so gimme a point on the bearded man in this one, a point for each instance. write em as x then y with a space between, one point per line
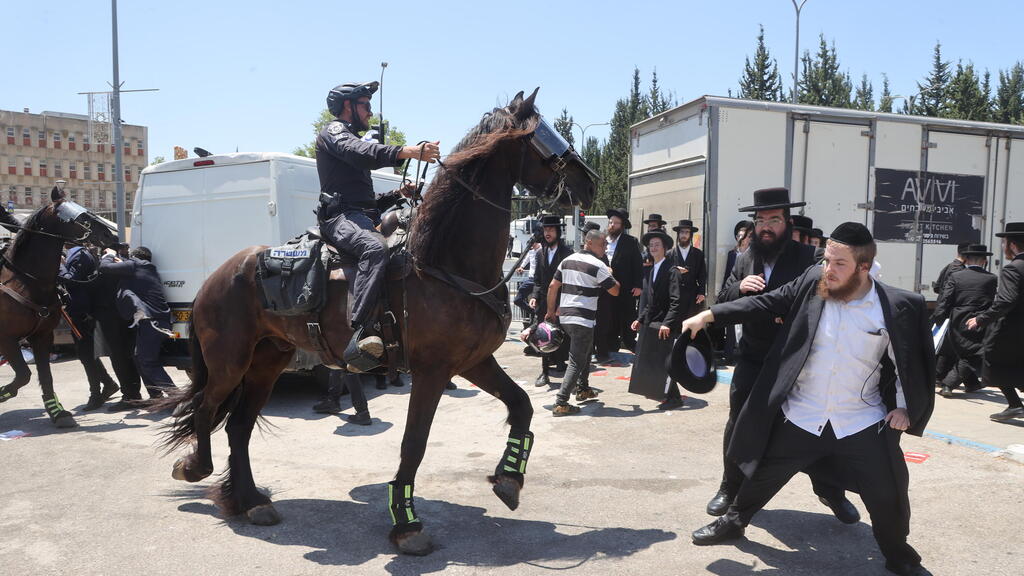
773 260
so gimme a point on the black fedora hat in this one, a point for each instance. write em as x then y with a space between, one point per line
771 199
802 223
552 220
976 250
685 224
1011 230
622 215
666 240
817 233
692 363
653 217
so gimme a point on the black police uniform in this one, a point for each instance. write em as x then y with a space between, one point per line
76 272
349 209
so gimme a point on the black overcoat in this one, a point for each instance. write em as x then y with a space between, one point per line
967 293
627 264
1004 320
544 273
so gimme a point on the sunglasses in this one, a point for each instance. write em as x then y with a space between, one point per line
365 103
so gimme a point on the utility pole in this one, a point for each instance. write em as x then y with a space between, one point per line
119 200
796 51
380 106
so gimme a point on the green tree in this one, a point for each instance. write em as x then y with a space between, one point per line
821 82
933 97
395 137
591 154
864 98
1008 104
885 100
967 101
657 101
157 160
761 80
563 125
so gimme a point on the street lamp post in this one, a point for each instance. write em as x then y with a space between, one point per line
796 51
583 131
380 105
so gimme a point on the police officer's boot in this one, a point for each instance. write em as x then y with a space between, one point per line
363 352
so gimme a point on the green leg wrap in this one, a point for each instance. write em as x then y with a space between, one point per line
53 406
7 392
400 504
517 452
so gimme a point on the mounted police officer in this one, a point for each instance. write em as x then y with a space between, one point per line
349 211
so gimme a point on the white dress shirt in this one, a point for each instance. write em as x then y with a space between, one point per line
609 252
654 272
839 380
684 253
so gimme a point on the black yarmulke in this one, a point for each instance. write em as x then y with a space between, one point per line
852 234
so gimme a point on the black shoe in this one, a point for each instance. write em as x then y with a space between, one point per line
671 404
327 406
450 386
1008 414
381 384
529 351
363 353
126 405
974 388
602 359
945 392
397 382
719 505
843 509
361 417
95 401
720 530
907 569
542 380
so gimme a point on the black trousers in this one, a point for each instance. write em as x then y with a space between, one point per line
147 356
743 378
966 370
1006 377
354 383
604 325
621 335
353 233
864 455
85 347
560 356
945 359
120 341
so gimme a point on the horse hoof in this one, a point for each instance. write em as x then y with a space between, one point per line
263 515
414 543
182 471
65 421
507 490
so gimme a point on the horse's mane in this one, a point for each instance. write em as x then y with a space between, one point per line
437 216
21 238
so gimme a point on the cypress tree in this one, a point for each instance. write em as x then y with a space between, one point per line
865 98
1008 105
563 125
761 79
933 98
885 101
966 99
821 82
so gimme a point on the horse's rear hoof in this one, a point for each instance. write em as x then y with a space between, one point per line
263 515
65 420
507 490
182 471
414 543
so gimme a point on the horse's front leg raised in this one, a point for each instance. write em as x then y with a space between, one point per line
41 345
11 351
510 473
407 533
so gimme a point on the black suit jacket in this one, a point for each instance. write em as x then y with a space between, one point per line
952 267
967 293
659 301
761 330
906 319
627 264
695 281
544 273
1004 320
139 288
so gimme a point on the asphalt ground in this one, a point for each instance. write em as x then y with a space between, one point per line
615 490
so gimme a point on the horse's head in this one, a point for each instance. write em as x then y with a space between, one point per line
74 223
550 164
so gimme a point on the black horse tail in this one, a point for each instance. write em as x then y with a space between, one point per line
182 429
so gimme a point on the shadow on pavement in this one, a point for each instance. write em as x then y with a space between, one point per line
351 533
353 430
35 423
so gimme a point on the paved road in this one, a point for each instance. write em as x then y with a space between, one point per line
616 490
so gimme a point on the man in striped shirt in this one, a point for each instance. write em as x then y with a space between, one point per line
580 277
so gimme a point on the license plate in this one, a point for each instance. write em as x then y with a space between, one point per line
182 315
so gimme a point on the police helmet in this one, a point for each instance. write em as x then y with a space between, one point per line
349 91
546 337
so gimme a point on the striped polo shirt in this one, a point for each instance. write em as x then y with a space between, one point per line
583 277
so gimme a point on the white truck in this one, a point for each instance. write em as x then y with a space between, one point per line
196 213
921 184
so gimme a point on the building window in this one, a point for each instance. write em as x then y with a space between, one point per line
71 141
42 167
10 135
73 170
26 137
42 139
28 167
139 149
29 197
58 169
127 149
102 148
100 174
74 196
127 174
56 140
85 142
102 199
12 166
88 170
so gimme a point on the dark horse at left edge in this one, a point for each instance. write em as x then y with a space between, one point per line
29 305
458 243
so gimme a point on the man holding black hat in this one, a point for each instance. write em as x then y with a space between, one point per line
773 260
553 250
1004 325
966 294
852 371
626 263
688 260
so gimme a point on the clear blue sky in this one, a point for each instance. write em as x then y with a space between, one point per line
253 75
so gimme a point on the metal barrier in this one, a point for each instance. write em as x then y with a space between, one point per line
518 316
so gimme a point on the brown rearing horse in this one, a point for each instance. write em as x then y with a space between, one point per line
29 305
461 230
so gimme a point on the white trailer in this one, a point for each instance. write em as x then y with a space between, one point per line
196 213
921 184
